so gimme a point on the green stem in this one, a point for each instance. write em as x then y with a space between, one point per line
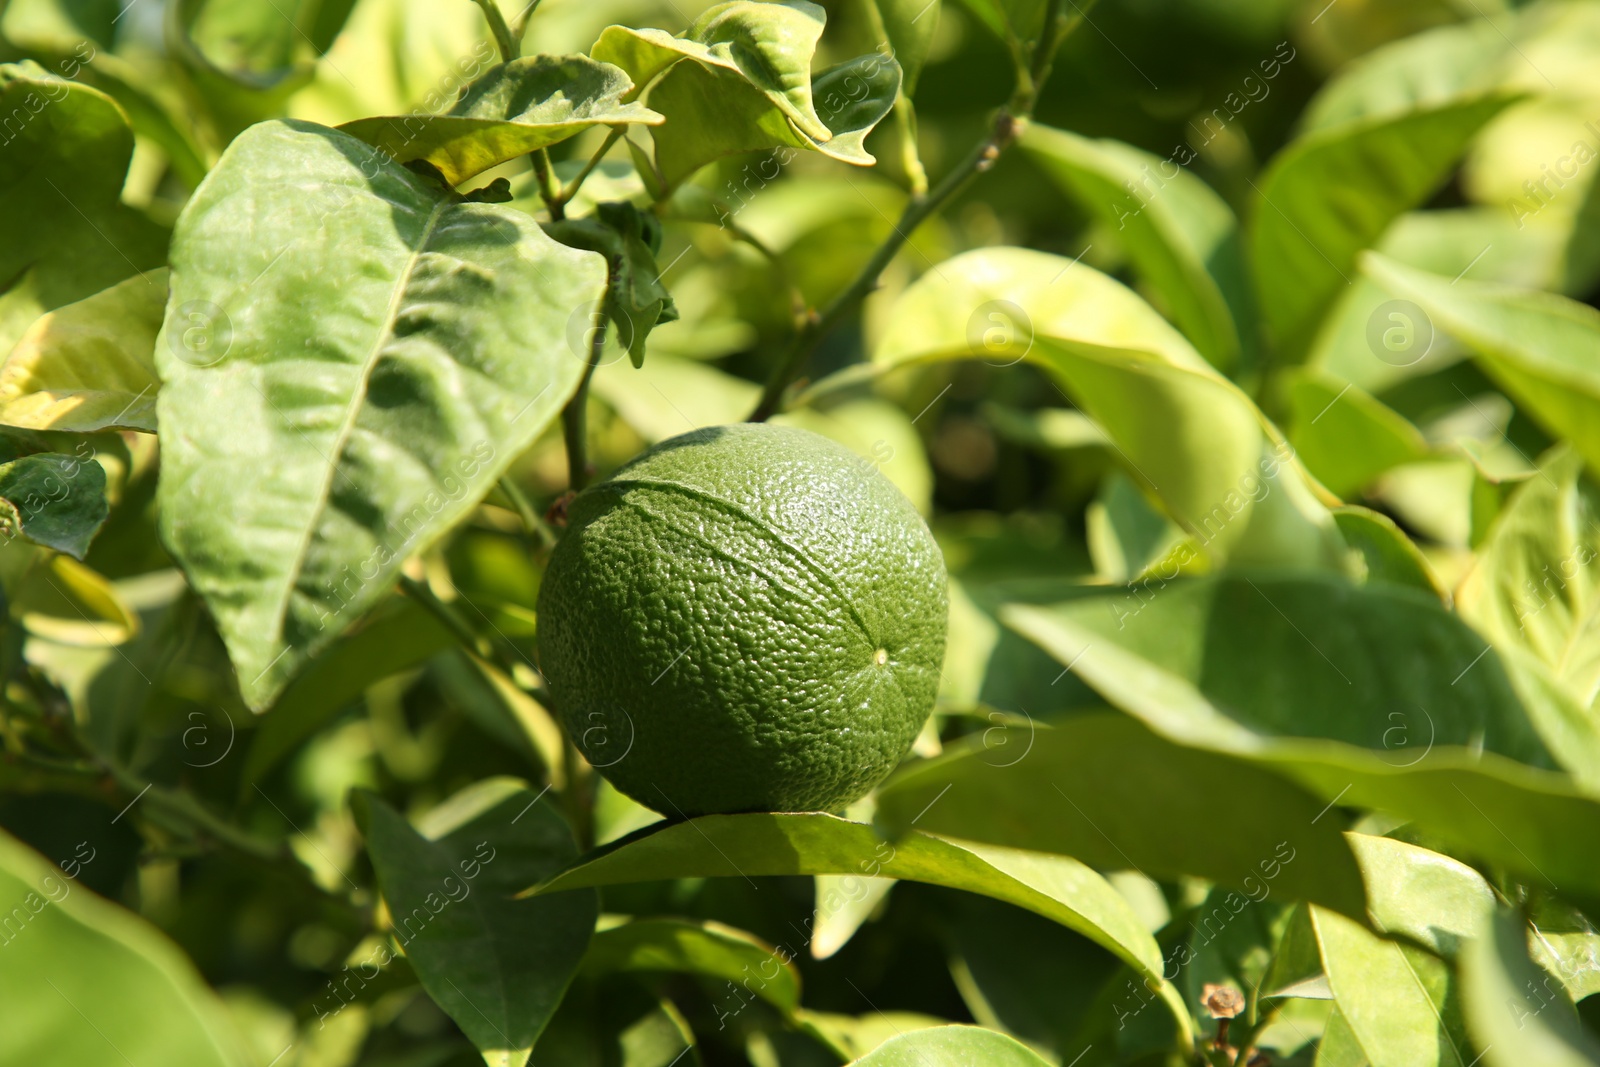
574 417
570 190
1032 71
452 620
544 172
188 809
503 37
532 524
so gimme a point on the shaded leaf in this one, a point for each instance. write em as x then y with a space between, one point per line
89 365
1333 192
1151 821
1344 435
1517 1012
496 965
291 501
86 981
514 109
1387 553
53 499
68 234
1181 237
708 949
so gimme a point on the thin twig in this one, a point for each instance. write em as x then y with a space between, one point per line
503 38
570 190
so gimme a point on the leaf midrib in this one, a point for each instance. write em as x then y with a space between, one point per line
352 412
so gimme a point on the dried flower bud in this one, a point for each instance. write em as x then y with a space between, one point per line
1222 1001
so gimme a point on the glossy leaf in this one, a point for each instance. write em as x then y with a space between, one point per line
1187 434
85 981
951 1046
1534 821
90 365
1398 1001
1535 584
68 233
1541 348
1099 813
514 109
740 80
1181 237
1333 192
1234 661
1517 1012
53 499
1434 900
708 949
292 501
1387 553
497 966
1056 887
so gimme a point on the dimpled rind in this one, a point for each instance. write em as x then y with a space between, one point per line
745 618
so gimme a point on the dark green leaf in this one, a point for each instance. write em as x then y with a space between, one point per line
1517 1012
293 501
496 965
54 500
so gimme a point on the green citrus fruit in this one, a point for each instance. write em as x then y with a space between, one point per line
745 618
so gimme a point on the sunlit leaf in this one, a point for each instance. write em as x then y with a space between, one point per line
510 111
322 434
708 949
951 1046
1056 887
1185 432
88 982
1345 436
1333 192
89 365
1180 235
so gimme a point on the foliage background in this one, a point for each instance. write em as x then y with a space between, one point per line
1391 633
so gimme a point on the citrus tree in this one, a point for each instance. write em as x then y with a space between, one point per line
904 533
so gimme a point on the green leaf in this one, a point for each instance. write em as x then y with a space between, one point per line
1432 899
951 1046
1073 794
1181 237
1344 435
636 301
63 601
906 27
1398 1001
496 965
68 234
292 491
390 641
243 60
1540 348
514 109
1333 192
1339 1047
54 500
90 365
1187 434
746 846
1517 1012
1533 821
1535 584
85 981
708 949
740 80
1388 554
1239 663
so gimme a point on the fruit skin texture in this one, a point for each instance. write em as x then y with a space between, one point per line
744 618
